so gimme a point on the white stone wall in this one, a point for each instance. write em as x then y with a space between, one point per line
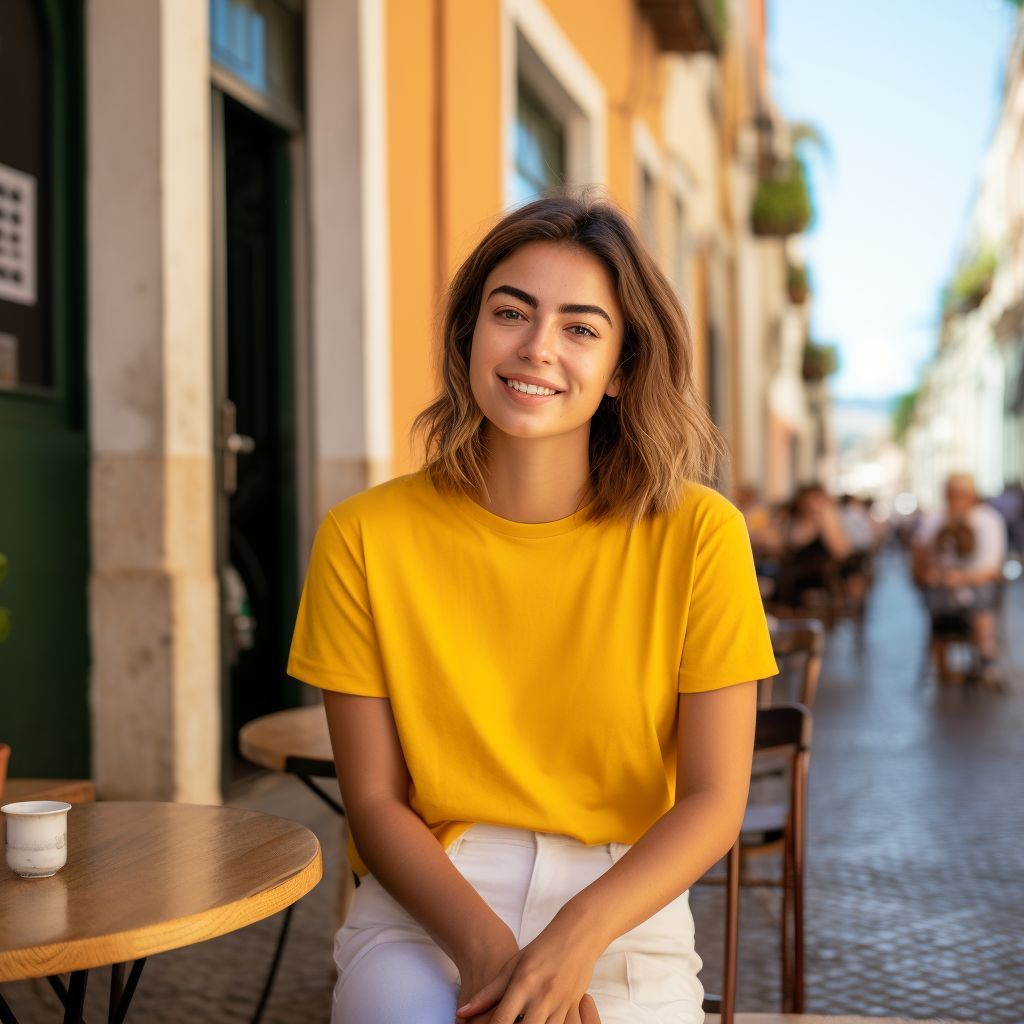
155 684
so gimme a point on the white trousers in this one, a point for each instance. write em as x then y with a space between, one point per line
391 972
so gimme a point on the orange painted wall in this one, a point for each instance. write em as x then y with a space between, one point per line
409 28
445 152
444 177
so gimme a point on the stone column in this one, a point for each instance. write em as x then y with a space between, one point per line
348 249
155 684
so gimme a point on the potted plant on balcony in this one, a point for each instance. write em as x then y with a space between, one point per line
782 203
819 361
797 285
970 284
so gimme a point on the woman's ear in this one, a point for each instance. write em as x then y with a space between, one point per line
614 385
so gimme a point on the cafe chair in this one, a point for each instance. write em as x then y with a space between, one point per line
949 636
725 1004
784 729
798 646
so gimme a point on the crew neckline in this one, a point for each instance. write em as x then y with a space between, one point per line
509 527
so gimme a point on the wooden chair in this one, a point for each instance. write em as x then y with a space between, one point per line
798 644
784 729
947 633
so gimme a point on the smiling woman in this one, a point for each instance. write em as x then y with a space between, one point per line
583 269
538 653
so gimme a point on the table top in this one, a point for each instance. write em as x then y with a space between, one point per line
288 739
142 878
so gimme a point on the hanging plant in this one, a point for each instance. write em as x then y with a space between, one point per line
820 361
782 203
970 284
797 285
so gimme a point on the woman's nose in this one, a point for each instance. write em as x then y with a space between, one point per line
538 345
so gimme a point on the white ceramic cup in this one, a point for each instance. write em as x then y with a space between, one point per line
37 837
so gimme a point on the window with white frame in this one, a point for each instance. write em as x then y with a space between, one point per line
540 146
554 106
649 171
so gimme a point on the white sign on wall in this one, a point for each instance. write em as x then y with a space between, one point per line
17 236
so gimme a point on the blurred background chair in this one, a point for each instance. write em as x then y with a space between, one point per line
776 826
798 645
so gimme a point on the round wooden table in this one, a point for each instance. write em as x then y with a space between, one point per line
294 741
143 878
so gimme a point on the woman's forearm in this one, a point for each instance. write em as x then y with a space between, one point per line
715 747
408 861
676 851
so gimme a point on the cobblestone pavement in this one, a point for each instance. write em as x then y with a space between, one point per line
915 888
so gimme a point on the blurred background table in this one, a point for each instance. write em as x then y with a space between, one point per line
71 791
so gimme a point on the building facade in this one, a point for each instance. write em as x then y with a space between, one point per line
969 409
246 212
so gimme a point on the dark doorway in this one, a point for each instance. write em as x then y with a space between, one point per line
258 529
44 446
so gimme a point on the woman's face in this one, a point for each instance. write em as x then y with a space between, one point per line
547 341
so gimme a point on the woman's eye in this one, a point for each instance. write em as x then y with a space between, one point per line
510 314
582 331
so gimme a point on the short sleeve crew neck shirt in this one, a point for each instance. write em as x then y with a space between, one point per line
533 669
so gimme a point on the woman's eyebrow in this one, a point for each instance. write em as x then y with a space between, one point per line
576 308
516 293
531 300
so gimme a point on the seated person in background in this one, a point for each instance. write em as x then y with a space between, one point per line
813 543
958 557
765 540
862 533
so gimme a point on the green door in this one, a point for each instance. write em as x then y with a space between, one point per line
44 653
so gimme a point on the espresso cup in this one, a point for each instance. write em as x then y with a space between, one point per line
37 837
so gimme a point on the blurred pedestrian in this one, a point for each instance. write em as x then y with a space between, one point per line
540 653
958 557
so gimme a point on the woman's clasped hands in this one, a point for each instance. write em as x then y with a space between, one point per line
545 982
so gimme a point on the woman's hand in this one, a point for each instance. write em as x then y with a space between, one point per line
481 965
544 983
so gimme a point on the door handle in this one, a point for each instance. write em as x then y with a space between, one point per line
232 444
239 444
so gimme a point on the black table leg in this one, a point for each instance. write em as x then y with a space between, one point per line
326 797
6 1013
116 988
76 998
117 1012
58 987
274 964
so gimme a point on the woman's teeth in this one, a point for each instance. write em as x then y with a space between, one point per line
529 389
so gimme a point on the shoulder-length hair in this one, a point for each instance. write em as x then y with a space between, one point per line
644 443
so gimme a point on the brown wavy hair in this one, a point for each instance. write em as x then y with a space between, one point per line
644 443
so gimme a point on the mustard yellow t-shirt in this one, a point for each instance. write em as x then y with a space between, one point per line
532 669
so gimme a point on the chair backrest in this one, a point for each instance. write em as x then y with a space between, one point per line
783 726
800 641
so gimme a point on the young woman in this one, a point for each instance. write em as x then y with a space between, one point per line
814 542
538 654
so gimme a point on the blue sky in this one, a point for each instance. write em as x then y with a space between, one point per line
906 93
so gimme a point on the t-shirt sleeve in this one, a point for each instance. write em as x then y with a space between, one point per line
334 645
726 640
